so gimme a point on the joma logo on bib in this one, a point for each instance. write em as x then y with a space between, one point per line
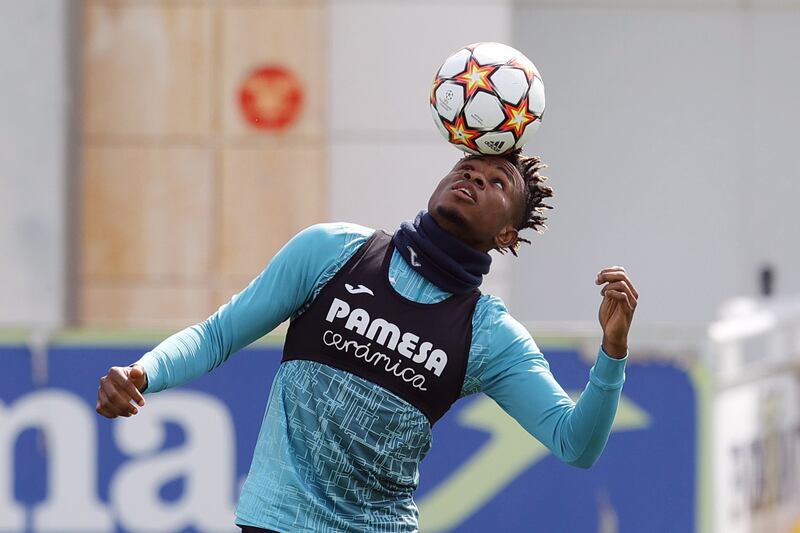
389 335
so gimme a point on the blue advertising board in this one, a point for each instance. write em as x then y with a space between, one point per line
178 465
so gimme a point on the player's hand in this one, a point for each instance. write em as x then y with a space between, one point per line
121 386
616 309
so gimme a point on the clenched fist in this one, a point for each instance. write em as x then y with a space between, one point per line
119 390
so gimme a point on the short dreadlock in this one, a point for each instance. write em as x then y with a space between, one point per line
535 192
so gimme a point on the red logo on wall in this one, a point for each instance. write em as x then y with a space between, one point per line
271 98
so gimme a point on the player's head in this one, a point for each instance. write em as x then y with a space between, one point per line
486 200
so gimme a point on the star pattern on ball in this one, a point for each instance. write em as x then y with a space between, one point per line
530 73
476 77
436 83
518 117
460 133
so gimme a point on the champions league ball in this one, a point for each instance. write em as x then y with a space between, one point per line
487 98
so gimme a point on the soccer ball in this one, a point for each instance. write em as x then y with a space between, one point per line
487 98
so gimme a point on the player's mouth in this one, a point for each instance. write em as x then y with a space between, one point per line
467 190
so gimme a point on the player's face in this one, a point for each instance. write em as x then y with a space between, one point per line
479 201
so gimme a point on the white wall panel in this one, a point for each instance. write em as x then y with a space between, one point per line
33 161
772 187
645 133
383 56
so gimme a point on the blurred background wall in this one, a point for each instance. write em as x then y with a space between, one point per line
669 132
670 129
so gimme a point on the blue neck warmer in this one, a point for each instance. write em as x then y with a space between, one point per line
441 258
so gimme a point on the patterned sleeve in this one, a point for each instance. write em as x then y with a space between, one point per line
517 376
288 283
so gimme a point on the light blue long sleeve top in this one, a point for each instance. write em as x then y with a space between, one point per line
339 453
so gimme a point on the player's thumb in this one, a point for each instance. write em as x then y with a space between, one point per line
136 374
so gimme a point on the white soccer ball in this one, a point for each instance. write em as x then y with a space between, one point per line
487 98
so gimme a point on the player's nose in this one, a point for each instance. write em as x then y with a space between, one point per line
476 177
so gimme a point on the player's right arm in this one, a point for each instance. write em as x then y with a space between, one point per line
284 286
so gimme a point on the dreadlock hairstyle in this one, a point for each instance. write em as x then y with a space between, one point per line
535 193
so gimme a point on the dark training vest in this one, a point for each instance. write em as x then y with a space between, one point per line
358 323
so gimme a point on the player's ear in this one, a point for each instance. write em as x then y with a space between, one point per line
507 237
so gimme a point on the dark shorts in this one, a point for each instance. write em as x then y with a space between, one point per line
251 529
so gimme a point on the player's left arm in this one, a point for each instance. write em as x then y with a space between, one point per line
520 381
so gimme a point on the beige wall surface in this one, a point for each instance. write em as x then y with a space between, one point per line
148 69
183 201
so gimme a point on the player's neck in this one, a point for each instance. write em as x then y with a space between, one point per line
441 257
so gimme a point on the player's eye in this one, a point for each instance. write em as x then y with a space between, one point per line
499 184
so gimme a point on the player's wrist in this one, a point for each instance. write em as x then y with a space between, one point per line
615 348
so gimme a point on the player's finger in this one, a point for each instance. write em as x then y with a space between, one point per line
118 400
617 286
98 406
612 269
621 286
117 378
102 406
123 382
617 276
605 272
621 283
620 297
